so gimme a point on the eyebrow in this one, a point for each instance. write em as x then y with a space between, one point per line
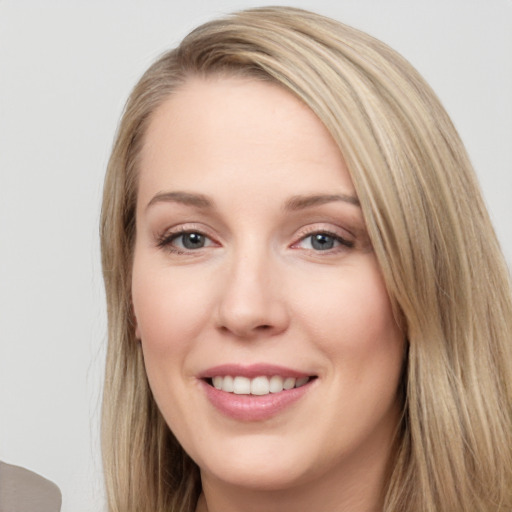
299 202
186 198
302 202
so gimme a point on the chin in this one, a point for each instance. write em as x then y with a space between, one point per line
263 466
259 478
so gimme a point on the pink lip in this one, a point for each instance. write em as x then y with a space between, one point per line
251 371
250 407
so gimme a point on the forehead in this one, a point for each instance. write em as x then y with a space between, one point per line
219 129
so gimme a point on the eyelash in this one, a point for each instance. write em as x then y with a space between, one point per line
346 244
166 240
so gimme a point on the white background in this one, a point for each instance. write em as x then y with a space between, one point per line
66 69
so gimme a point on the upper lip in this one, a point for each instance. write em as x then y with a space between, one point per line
251 371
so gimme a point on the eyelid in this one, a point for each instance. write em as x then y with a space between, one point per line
312 229
164 239
344 242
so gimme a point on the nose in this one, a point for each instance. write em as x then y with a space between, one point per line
252 299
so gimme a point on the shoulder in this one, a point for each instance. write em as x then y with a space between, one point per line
22 490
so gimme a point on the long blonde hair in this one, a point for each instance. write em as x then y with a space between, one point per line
432 237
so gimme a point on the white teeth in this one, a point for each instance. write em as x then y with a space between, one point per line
228 384
276 384
289 383
258 386
241 386
300 382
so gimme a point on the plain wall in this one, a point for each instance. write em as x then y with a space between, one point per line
66 69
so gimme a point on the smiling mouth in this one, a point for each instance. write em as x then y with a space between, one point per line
258 386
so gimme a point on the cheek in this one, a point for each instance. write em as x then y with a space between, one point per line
169 307
355 328
170 310
351 320
355 305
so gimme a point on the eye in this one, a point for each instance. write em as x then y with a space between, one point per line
185 241
190 240
323 241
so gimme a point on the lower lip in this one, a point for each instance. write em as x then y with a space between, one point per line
253 407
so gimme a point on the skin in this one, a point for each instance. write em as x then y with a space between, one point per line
260 291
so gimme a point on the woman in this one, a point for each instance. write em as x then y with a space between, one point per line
308 307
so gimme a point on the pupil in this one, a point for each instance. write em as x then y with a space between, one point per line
193 240
322 242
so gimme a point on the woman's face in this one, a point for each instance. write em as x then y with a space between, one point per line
253 271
